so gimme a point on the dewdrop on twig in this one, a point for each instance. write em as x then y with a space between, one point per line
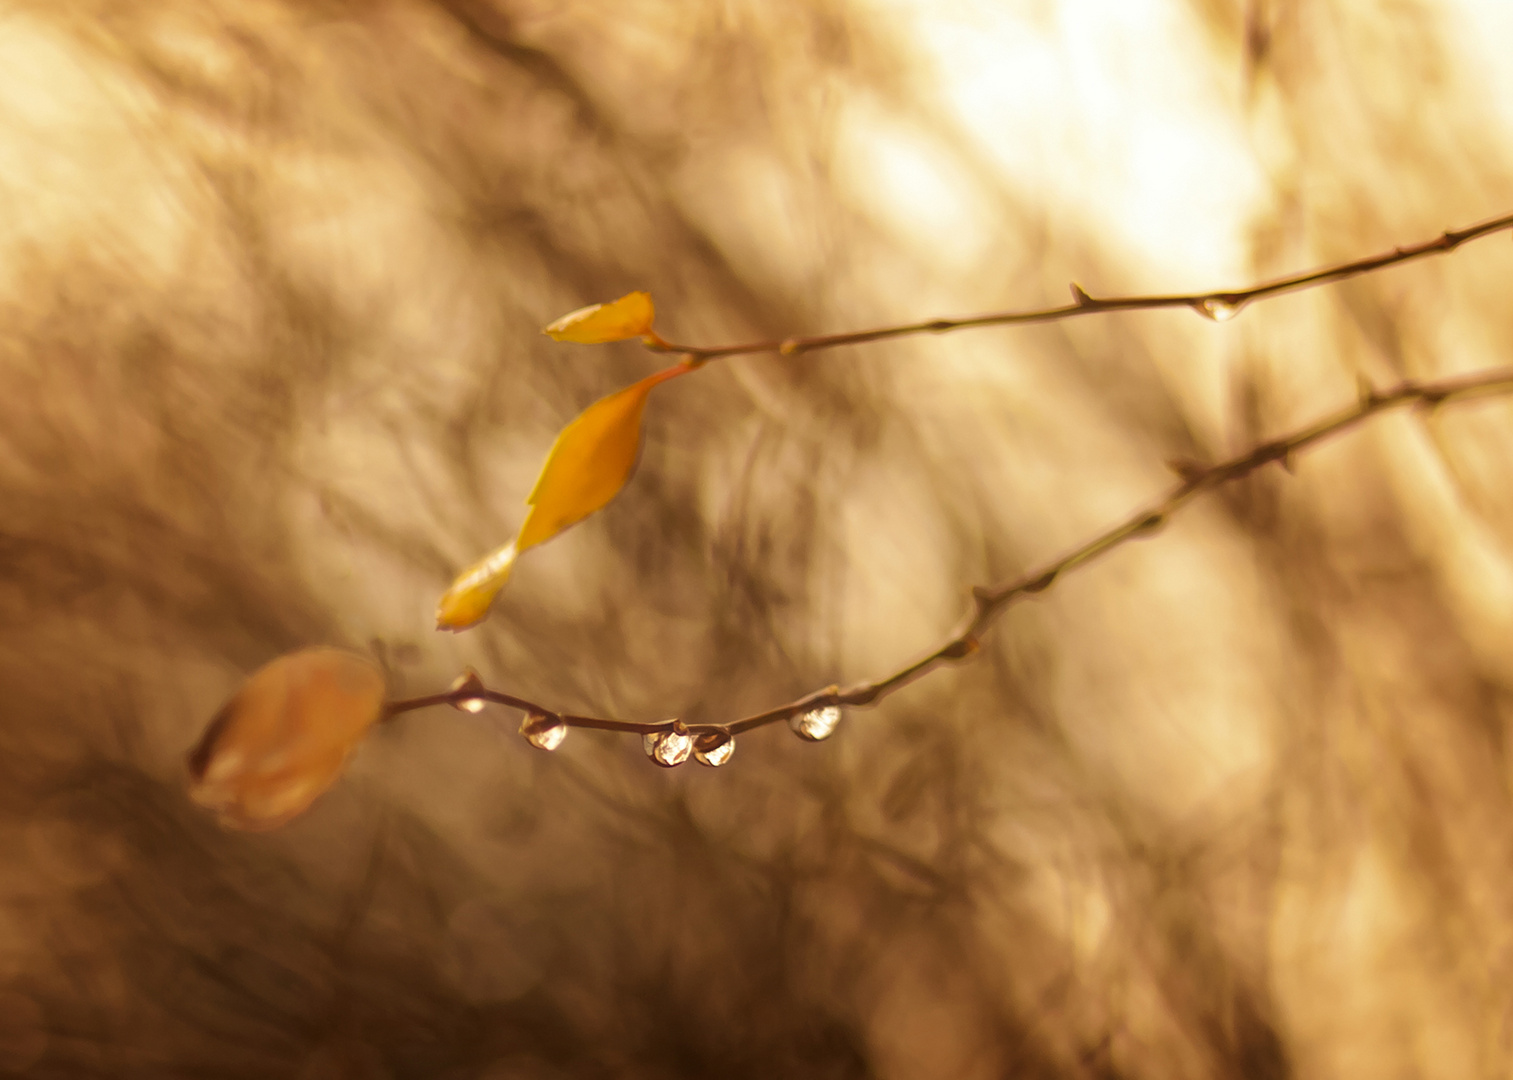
1218 309
468 686
543 731
713 749
668 748
816 724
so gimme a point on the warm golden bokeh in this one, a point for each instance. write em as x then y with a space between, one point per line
1234 800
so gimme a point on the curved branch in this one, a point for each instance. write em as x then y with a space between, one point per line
990 601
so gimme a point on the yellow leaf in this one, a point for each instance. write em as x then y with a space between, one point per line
628 317
284 737
589 463
467 602
586 467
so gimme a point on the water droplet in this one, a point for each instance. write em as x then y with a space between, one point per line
1218 309
466 684
668 748
714 749
816 724
543 731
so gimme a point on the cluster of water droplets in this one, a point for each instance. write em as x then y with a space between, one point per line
669 747
816 724
677 744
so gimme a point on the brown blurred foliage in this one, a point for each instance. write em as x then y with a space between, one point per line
1233 802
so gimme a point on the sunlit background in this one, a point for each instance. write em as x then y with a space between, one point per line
1234 801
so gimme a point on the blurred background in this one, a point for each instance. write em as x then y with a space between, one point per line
1234 801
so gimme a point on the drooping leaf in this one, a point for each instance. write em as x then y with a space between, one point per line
589 463
628 317
586 467
285 736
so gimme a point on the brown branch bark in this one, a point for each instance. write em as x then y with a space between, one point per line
1218 306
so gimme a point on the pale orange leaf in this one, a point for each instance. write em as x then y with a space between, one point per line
284 738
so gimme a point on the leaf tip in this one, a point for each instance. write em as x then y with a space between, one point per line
631 316
466 602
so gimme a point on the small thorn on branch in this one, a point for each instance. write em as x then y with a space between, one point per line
961 648
1273 451
1429 400
1365 391
861 694
1187 470
1079 297
1042 583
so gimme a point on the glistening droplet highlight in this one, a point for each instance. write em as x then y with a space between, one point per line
713 749
1218 309
816 724
543 731
668 748
465 686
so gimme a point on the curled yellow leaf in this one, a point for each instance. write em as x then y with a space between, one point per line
467 601
628 317
586 467
284 737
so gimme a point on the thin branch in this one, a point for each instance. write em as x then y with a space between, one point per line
990 601
1219 306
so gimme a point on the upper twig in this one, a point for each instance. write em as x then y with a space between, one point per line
1211 305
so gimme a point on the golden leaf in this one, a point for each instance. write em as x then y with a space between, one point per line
586 467
467 601
589 463
628 317
284 737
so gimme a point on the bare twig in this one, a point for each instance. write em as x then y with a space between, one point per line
990 601
1218 306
